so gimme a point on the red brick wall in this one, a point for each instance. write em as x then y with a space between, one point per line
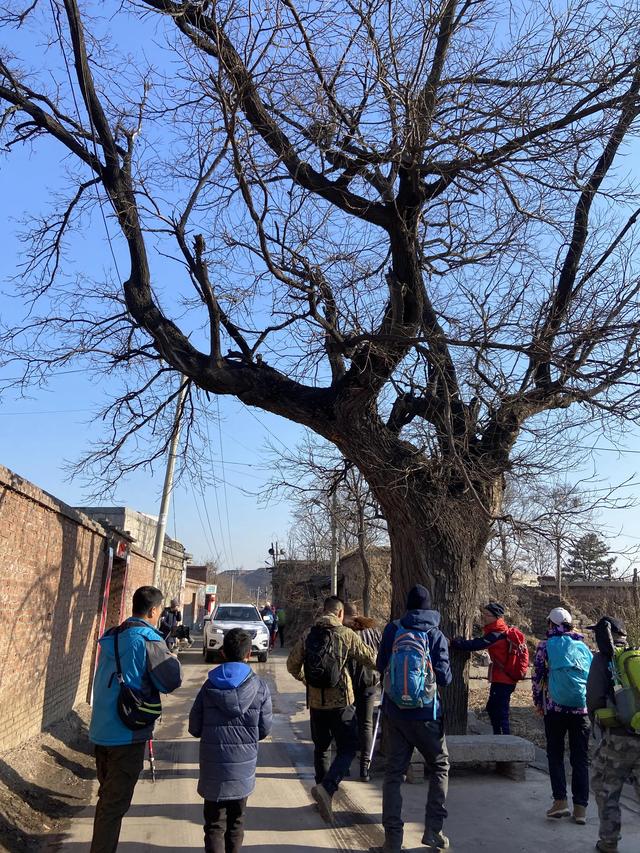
52 562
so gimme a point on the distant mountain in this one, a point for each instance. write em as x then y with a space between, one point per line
249 584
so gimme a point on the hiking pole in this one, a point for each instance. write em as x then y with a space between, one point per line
375 735
152 760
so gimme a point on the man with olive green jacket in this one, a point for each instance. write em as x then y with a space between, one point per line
319 659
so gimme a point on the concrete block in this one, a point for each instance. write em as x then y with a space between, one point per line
476 749
508 753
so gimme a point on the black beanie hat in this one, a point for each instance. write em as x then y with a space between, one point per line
495 609
419 598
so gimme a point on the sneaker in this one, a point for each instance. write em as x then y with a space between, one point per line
435 840
560 808
607 846
323 799
580 814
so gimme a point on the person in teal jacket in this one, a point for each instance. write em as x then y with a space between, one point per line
148 666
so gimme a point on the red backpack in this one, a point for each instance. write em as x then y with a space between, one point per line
517 662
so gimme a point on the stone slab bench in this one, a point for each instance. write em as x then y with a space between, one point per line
509 753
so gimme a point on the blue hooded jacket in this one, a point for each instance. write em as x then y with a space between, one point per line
232 712
422 620
146 664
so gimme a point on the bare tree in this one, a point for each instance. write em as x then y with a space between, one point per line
542 523
309 475
401 224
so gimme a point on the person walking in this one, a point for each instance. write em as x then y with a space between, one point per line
366 683
170 619
559 685
231 714
281 616
270 619
321 659
617 756
502 680
414 661
136 653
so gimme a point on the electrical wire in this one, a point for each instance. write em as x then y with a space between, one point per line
91 125
224 482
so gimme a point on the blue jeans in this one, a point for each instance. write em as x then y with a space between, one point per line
498 707
328 724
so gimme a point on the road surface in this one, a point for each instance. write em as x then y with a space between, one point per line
486 811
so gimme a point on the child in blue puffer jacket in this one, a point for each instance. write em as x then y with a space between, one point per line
232 712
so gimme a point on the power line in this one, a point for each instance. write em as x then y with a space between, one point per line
215 492
264 426
91 125
224 481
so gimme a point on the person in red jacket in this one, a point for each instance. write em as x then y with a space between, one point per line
494 642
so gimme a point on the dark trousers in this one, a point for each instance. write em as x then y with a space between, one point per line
339 725
498 707
281 632
557 725
224 825
118 769
365 704
401 738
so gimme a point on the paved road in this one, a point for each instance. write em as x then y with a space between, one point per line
486 811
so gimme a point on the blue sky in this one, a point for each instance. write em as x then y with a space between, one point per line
53 425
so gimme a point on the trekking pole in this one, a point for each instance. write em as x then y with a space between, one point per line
152 760
375 735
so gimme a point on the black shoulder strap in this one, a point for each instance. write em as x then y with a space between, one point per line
117 653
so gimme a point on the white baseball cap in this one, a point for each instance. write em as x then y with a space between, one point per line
559 615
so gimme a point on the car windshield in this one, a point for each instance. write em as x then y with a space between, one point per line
237 614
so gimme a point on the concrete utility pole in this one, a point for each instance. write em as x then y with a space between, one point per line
334 542
168 484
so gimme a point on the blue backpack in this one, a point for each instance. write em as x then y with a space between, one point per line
409 680
569 664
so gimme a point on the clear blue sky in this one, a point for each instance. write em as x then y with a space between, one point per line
38 434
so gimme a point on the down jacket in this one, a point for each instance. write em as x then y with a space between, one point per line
429 622
232 712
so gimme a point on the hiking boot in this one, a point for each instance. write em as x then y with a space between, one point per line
435 840
607 846
580 814
560 808
323 799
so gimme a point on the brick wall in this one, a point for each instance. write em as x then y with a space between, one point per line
52 562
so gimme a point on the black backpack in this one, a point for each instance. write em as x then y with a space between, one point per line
322 668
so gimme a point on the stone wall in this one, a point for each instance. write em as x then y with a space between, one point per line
351 569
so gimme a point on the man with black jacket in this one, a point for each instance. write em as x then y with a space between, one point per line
366 682
617 756
407 729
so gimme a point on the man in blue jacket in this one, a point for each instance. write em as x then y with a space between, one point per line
232 712
148 667
419 728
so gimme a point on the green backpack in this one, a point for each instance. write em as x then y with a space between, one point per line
625 710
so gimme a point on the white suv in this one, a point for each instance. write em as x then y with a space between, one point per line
228 616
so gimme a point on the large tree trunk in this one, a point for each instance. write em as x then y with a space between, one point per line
439 524
446 559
